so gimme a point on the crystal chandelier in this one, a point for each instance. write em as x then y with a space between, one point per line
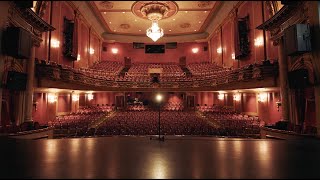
155 12
154 32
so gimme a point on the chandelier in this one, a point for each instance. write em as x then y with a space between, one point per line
154 11
155 32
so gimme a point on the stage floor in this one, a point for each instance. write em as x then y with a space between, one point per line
176 157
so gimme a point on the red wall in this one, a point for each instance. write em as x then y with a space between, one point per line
224 37
249 103
86 37
268 110
170 55
203 98
103 98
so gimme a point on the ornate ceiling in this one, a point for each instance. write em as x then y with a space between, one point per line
125 20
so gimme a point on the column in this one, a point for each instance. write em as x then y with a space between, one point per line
29 89
283 76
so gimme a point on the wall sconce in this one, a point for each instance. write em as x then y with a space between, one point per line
258 41
262 97
75 97
237 97
195 50
90 97
35 105
91 51
78 57
220 96
114 50
55 43
52 98
219 50
233 56
278 105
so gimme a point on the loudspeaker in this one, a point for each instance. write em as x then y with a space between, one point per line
171 45
17 43
297 39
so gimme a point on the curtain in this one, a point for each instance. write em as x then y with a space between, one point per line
236 34
75 36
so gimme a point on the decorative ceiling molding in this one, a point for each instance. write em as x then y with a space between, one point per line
185 25
217 12
143 8
107 4
124 26
204 4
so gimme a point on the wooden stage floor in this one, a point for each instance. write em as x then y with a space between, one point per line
176 157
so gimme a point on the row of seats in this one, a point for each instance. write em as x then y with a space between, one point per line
216 75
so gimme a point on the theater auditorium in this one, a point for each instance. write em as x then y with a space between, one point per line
159 89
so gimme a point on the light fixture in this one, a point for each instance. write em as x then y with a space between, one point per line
114 50
236 97
91 51
52 98
159 97
219 50
55 43
75 97
155 11
258 41
195 50
90 96
233 56
262 97
78 57
220 96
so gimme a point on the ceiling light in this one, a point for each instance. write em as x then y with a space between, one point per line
123 12
169 29
199 21
104 12
154 12
186 11
135 20
174 19
195 30
110 22
139 29
205 11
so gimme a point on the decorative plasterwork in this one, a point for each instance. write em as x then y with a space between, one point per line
286 16
124 26
143 8
30 21
185 25
107 4
204 4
